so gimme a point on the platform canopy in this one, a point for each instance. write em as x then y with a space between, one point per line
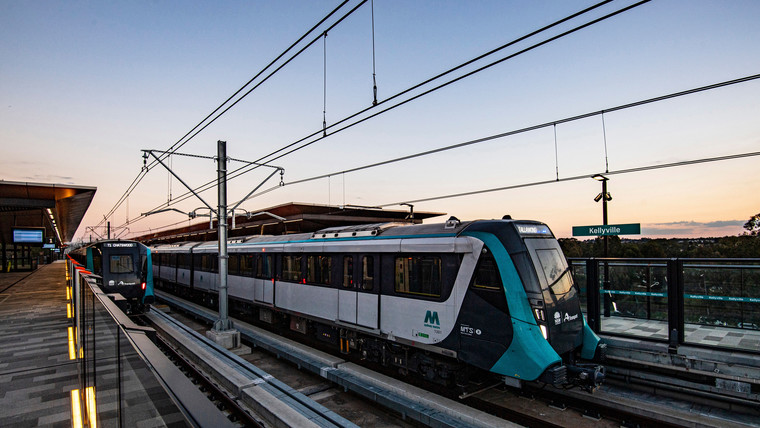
292 217
56 208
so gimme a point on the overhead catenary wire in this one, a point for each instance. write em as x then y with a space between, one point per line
553 123
273 155
180 142
205 187
578 177
459 67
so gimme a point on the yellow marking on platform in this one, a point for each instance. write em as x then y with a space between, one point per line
72 350
76 409
92 414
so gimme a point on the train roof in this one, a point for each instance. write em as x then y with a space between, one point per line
451 228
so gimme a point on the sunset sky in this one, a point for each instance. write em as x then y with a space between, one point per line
86 85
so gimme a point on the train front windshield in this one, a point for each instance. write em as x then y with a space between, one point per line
121 263
563 312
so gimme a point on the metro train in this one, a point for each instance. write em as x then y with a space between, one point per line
125 267
447 301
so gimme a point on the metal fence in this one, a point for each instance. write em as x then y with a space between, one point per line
709 302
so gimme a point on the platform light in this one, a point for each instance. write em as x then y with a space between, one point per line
92 414
76 409
72 350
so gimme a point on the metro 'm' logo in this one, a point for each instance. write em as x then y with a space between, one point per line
431 318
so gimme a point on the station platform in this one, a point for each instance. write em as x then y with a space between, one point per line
720 337
36 375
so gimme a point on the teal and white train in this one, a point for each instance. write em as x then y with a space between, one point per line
446 301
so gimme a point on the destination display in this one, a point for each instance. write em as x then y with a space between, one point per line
607 230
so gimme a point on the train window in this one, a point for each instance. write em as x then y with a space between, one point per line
121 263
557 276
348 271
291 268
487 273
233 264
419 275
183 261
247 262
264 266
318 269
368 273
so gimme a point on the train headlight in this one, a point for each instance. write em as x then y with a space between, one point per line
143 285
544 331
539 314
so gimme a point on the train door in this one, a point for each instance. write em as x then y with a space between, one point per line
368 298
358 298
265 274
347 298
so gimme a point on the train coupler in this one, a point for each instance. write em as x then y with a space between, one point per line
587 376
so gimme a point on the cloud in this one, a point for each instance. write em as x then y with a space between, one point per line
687 228
49 178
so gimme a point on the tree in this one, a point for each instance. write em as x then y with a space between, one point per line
753 225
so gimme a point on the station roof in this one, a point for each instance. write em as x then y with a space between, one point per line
289 218
42 205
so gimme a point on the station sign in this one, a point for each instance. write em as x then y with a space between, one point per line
608 230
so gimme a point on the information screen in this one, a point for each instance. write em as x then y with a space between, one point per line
28 236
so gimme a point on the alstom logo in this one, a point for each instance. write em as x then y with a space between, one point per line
432 320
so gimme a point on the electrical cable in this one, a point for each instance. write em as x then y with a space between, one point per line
143 172
579 177
527 129
243 170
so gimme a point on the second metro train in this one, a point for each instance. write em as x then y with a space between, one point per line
124 267
441 300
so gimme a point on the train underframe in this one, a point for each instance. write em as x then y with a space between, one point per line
406 360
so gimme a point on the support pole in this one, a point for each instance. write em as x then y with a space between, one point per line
607 296
223 323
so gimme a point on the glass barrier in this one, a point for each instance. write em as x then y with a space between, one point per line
722 304
578 270
119 388
708 302
633 299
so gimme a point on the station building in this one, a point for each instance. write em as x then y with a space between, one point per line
36 220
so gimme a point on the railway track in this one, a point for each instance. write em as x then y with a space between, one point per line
551 407
322 401
227 404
